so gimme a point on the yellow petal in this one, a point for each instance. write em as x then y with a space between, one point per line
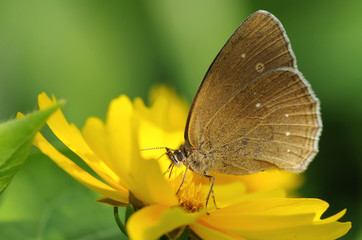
263 181
277 206
95 135
119 138
73 139
164 122
257 213
167 110
154 221
279 218
271 179
328 231
120 194
142 177
151 136
158 128
150 186
148 182
206 231
331 219
235 192
19 115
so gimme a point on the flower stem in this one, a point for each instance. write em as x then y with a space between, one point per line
129 211
119 221
193 236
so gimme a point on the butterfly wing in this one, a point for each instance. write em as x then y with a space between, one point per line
221 110
259 39
272 123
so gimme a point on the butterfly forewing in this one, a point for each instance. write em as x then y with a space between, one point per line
254 110
257 46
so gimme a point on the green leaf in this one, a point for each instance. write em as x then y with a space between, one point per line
16 138
44 202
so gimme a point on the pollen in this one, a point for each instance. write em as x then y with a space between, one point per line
191 196
192 206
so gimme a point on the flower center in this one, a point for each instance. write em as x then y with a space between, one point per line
191 206
192 195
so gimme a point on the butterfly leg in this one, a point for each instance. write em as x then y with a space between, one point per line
169 176
211 190
183 180
169 169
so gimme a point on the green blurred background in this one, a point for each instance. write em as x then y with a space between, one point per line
89 52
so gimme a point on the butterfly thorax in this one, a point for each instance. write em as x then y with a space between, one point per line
195 159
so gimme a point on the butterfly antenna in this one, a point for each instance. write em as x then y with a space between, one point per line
169 169
154 148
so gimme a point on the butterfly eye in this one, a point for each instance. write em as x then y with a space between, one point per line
179 155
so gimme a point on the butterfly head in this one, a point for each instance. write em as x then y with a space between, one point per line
177 157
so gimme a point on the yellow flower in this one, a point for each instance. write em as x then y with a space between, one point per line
248 207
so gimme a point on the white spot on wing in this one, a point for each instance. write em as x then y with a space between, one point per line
259 67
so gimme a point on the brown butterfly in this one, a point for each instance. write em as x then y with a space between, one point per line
254 110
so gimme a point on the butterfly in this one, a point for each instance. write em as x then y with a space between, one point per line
254 110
